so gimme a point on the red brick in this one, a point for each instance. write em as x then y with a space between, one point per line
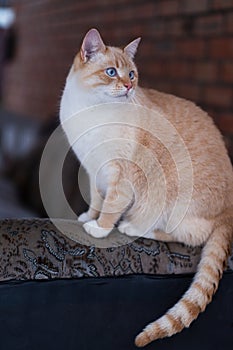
158 29
194 6
179 70
164 86
121 14
222 4
225 123
226 72
175 28
229 23
165 48
143 10
189 91
218 96
221 48
168 7
192 48
137 30
206 71
156 69
147 48
209 25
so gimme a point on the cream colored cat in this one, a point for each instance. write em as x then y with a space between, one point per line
168 178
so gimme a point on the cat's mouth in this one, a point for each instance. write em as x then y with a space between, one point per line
117 94
125 94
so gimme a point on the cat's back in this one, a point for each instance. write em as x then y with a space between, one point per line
193 124
210 161
179 111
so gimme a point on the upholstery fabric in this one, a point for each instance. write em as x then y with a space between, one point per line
35 249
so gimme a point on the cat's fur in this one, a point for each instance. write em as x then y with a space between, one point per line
209 217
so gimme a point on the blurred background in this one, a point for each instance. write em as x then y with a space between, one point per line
186 50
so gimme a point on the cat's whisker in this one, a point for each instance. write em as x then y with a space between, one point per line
135 100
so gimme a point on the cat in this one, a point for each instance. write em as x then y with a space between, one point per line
131 185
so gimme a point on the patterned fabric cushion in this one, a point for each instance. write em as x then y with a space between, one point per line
36 249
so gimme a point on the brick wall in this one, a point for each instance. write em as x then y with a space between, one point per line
187 49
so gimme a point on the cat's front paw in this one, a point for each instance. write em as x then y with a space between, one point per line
122 227
84 217
126 228
95 230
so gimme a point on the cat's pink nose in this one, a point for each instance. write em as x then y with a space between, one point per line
128 85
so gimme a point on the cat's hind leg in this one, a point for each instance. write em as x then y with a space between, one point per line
159 235
127 228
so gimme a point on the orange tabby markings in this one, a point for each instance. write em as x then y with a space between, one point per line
210 272
191 308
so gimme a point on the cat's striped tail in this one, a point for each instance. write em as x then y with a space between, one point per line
200 292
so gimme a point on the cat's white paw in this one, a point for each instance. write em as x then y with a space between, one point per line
123 226
95 230
84 217
126 228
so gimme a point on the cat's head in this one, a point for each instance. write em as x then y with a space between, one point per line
106 71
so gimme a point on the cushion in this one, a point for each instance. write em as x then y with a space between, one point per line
36 249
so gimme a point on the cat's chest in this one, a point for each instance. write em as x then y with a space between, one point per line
96 153
87 144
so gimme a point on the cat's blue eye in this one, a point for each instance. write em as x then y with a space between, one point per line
111 72
131 75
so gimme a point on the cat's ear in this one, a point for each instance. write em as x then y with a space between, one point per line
92 43
131 48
